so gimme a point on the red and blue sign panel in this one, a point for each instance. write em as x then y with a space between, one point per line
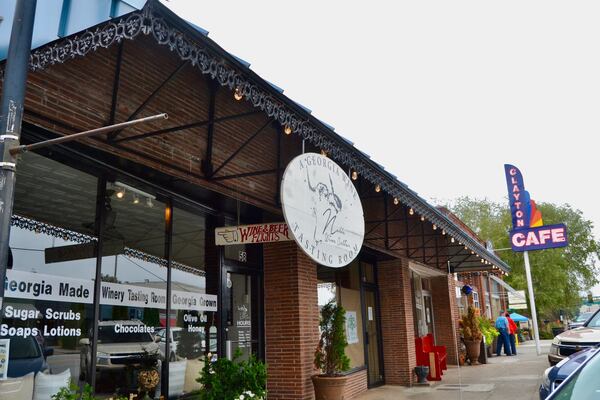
529 231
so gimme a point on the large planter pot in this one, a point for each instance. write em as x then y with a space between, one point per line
329 387
473 347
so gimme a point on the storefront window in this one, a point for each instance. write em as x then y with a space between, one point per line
193 327
48 308
133 294
343 286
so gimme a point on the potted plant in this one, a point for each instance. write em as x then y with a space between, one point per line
471 334
489 332
330 356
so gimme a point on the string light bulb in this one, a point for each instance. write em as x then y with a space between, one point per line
452 240
411 211
237 94
434 227
377 188
120 193
287 130
354 175
422 218
443 231
396 201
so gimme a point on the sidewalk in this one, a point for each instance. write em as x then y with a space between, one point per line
503 378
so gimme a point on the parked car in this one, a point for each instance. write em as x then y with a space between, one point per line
583 383
554 376
575 340
120 344
25 355
580 320
161 336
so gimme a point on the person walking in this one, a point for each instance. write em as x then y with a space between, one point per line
502 326
512 331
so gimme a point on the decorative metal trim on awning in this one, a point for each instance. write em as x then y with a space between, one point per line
158 21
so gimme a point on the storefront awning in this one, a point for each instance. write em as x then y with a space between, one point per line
195 49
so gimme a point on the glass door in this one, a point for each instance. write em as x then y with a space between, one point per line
241 313
372 338
428 311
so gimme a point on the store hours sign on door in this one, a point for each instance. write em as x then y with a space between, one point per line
322 209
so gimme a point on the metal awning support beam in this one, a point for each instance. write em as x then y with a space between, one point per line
116 84
207 166
85 134
151 97
242 146
197 124
246 174
385 220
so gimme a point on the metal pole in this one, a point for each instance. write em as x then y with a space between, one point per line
69 138
536 333
11 116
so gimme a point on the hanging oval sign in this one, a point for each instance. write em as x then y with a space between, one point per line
322 209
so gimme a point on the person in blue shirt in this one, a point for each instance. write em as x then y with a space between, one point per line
503 339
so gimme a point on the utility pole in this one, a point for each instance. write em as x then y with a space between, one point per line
11 117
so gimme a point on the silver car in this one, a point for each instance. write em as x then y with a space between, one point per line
120 344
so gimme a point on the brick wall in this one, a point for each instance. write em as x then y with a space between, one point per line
397 326
291 321
356 384
445 314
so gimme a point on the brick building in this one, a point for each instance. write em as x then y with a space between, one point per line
129 218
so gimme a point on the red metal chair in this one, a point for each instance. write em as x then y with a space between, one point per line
429 354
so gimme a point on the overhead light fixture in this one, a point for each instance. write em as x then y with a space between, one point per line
452 240
238 95
354 175
377 188
411 211
434 227
138 194
287 130
422 218
466 248
443 231
396 201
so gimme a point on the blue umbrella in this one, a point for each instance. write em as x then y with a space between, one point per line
518 317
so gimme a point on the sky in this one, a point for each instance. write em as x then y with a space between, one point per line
441 93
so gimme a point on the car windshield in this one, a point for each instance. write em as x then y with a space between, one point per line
107 334
22 348
583 317
585 383
594 322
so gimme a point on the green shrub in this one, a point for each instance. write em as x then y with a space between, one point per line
74 393
488 330
225 379
330 356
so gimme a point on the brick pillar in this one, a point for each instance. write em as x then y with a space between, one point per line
397 325
445 314
291 321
